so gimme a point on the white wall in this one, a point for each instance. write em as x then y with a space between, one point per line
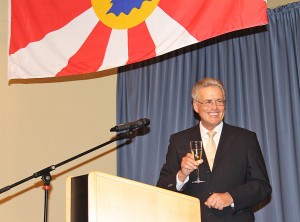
276 3
44 122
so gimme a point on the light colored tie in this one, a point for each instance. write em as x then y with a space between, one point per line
211 149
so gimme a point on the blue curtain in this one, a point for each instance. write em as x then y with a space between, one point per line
260 68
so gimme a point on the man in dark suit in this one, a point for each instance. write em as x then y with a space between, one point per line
235 177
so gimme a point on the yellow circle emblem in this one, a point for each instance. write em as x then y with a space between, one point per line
123 14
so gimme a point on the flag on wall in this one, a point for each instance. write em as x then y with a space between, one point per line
51 38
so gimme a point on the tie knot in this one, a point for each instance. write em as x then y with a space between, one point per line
211 133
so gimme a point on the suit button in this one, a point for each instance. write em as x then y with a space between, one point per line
208 172
210 192
209 214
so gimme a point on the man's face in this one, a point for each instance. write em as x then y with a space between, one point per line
211 113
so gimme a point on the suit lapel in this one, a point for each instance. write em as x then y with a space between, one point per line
224 144
196 133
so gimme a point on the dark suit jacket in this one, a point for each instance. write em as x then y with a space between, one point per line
239 169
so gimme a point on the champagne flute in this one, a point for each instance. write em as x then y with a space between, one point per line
196 150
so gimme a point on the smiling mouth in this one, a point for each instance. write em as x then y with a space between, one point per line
213 114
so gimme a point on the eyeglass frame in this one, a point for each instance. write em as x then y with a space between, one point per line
209 102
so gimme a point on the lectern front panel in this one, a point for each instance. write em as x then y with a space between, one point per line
79 199
100 197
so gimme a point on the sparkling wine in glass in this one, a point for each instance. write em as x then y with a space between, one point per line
196 150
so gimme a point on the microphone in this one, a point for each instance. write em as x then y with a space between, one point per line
131 125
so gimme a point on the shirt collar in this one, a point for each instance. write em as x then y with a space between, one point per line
218 129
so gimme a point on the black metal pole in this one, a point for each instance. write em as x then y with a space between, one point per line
47 180
47 170
46 176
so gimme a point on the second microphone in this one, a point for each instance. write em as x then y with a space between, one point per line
131 125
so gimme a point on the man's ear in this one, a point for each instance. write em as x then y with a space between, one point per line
195 106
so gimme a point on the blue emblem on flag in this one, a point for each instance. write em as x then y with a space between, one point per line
125 6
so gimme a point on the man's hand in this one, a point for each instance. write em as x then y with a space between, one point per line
188 164
219 200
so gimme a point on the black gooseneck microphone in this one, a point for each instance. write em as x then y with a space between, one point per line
131 125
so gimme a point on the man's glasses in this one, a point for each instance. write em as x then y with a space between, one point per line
209 102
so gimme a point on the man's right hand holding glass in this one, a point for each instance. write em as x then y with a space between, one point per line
188 164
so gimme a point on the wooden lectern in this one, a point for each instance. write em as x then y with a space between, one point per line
100 197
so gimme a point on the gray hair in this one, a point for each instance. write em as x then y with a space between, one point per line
206 82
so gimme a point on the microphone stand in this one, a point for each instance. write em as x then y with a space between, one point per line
46 176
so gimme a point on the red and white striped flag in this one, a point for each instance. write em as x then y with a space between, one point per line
51 38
